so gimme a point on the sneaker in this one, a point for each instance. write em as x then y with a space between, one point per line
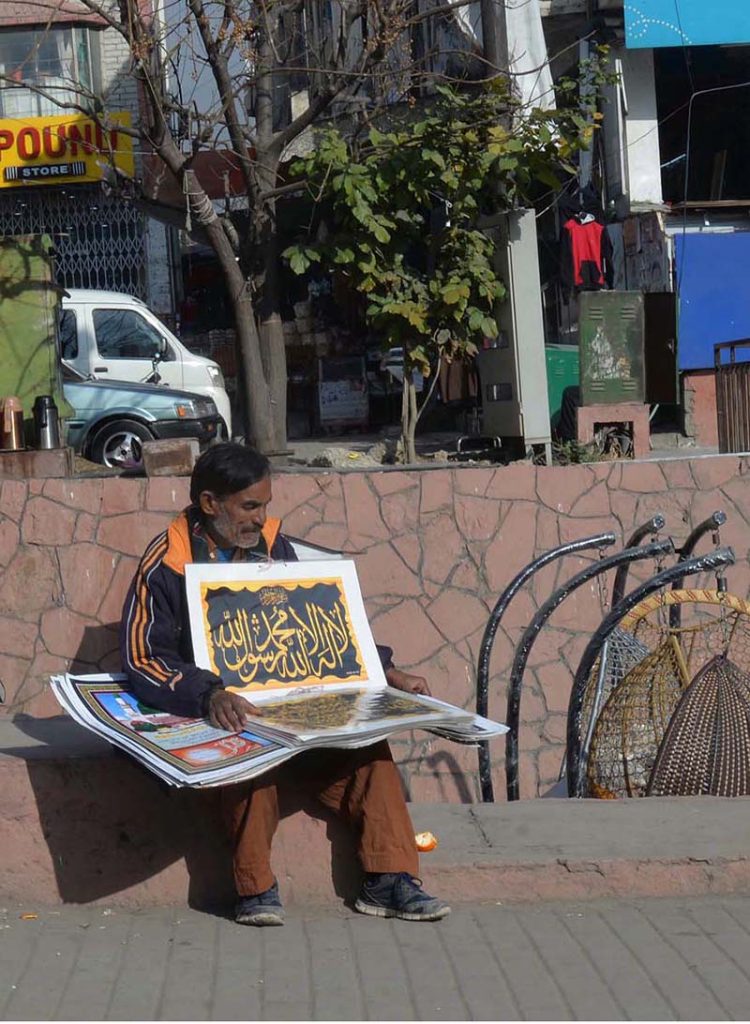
261 910
399 895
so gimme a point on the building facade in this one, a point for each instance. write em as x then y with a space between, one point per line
55 161
671 165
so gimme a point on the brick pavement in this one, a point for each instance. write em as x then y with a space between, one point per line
659 959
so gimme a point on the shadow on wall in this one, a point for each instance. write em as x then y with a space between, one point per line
99 650
110 825
445 765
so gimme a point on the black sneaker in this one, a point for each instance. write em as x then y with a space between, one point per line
262 910
399 895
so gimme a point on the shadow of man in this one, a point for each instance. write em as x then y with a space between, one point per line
111 827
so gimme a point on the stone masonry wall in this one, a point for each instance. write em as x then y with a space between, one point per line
434 549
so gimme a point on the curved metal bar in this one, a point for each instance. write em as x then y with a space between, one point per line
653 526
485 648
712 523
532 631
713 560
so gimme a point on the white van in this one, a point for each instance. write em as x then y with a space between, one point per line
113 336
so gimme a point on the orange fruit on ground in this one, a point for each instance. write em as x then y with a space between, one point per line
425 841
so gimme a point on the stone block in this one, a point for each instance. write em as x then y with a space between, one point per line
173 457
12 499
131 533
25 465
86 571
46 522
8 540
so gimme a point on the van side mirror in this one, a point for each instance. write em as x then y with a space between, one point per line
163 350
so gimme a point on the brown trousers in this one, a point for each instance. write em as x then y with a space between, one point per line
362 786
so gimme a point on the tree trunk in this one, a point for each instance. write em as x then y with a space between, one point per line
255 398
409 417
271 330
268 306
265 237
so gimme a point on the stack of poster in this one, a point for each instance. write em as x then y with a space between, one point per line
291 638
181 751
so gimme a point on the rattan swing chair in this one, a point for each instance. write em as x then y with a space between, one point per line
678 722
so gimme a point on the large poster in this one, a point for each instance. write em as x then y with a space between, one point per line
273 627
658 23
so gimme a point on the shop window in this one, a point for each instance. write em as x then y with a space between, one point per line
56 61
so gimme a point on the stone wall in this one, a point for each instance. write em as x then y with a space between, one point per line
434 549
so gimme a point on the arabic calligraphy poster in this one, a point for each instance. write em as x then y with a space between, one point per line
272 627
340 711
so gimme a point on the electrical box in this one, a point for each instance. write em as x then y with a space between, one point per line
611 331
513 373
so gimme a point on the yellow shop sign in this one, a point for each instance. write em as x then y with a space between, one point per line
62 150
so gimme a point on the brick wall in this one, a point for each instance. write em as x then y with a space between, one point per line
434 550
119 88
701 423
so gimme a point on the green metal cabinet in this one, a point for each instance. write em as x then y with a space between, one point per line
563 370
611 332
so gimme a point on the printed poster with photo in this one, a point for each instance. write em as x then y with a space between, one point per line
190 744
271 627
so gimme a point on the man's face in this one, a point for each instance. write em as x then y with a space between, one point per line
236 521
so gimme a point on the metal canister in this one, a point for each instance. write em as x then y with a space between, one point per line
46 422
11 424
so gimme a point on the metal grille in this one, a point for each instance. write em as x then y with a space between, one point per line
99 241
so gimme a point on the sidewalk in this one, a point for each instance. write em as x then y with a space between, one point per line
683 959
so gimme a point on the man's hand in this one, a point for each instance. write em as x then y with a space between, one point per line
408 683
229 711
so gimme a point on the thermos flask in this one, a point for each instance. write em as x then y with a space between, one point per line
46 422
11 424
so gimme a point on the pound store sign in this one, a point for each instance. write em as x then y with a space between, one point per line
63 150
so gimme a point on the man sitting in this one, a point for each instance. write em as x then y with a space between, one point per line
227 521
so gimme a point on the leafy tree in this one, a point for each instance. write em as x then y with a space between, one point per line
403 209
249 78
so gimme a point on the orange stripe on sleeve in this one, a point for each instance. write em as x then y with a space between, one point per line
139 622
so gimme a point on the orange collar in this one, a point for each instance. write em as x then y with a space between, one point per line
180 551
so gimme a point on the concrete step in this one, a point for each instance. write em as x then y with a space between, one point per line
81 824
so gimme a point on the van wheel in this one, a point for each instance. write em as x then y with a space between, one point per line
119 444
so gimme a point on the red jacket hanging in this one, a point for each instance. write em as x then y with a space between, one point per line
585 255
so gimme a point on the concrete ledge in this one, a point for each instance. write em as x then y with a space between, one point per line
80 823
31 463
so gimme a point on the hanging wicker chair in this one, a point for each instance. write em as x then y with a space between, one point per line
635 718
706 747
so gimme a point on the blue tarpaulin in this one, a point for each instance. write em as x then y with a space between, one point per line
657 23
714 294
